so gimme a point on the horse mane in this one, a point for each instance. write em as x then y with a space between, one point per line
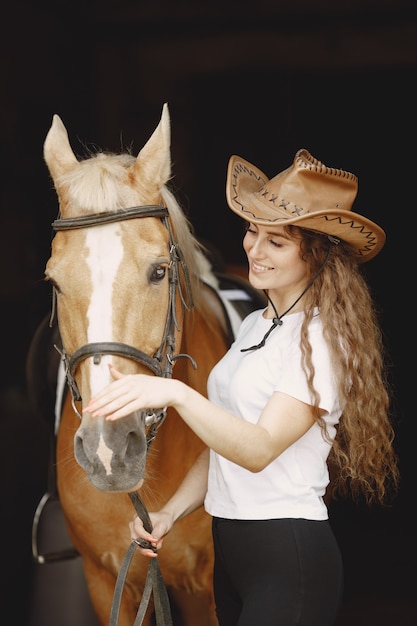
194 253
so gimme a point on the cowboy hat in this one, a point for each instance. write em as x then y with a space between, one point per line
308 194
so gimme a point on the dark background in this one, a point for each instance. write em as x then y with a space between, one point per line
257 79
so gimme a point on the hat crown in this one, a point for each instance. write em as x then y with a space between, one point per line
308 186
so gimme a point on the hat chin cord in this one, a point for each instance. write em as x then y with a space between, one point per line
277 320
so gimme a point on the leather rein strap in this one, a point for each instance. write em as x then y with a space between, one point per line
154 582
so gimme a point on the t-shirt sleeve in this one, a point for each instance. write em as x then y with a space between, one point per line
293 380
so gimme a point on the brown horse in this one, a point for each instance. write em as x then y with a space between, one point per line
132 286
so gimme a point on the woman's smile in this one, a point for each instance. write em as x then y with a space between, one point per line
260 268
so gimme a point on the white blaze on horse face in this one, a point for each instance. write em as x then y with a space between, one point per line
104 453
104 258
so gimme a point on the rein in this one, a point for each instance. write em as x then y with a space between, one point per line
161 364
154 581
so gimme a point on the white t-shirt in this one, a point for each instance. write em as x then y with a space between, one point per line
293 484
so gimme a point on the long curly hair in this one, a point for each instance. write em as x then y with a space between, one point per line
363 458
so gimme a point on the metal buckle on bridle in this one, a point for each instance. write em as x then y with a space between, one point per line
154 420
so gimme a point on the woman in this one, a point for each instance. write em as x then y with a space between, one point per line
301 387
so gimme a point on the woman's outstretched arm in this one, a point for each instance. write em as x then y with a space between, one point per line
253 446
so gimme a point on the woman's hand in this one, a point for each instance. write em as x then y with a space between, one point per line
133 392
161 525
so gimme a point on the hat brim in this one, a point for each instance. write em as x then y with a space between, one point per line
244 180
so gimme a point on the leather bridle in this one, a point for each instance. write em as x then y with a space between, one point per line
161 363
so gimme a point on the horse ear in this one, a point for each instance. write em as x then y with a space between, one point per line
154 159
57 150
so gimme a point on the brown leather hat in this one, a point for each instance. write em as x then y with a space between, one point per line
307 194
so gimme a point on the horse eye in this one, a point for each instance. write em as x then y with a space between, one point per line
158 273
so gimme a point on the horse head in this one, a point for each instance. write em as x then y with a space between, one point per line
119 271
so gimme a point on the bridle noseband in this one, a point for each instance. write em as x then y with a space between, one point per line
161 363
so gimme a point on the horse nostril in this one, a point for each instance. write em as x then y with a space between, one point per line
135 445
79 452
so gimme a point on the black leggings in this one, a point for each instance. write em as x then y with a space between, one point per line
279 572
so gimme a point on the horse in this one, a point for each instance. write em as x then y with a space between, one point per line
131 285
